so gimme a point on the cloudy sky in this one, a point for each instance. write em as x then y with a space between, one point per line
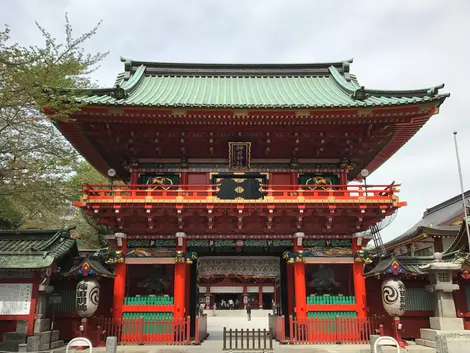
395 44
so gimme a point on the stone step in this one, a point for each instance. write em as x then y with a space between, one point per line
417 349
14 336
23 347
426 343
45 337
54 345
10 346
428 334
238 313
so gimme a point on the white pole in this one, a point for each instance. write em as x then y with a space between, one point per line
461 187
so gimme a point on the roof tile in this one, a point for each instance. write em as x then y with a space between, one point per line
244 86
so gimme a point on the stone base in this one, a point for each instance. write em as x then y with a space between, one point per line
46 337
452 342
41 325
446 323
428 334
22 326
54 345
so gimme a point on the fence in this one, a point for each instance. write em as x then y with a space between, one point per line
201 329
145 330
277 328
244 340
332 330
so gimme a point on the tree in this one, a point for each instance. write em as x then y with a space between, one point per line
88 230
37 164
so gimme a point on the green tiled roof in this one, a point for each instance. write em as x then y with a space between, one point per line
33 249
412 264
297 86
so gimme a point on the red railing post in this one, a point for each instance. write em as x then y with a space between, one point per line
187 330
291 329
196 330
140 328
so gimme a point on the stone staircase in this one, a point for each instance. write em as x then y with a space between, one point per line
19 341
41 338
12 340
238 313
428 338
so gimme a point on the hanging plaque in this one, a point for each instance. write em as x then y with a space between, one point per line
239 155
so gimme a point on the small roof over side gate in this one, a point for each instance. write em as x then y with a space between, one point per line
34 249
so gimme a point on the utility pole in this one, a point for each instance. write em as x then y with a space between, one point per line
461 187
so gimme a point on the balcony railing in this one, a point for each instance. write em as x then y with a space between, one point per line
208 193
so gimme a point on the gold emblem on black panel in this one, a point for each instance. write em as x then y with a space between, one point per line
319 183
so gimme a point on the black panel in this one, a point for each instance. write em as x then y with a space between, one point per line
246 186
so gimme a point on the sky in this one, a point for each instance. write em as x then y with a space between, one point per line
395 45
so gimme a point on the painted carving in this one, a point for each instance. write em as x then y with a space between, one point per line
394 296
113 256
362 256
87 297
179 256
347 165
151 252
396 269
292 257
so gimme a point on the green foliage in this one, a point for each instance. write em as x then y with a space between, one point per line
39 169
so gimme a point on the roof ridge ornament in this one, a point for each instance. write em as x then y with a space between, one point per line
127 63
434 90
360 94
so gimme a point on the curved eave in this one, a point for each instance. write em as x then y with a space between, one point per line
95 101
403 133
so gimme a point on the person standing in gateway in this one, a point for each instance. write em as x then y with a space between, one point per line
248 311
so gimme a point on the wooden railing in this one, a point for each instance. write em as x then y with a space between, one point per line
247 340
146 331
201 329
188 193
337 330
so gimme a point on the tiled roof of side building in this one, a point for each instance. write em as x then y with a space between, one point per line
34 249
413 265
298 86
436 219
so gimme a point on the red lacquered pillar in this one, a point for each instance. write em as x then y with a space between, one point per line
187 288
120 279
359 280
180 278
299 280
34 300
